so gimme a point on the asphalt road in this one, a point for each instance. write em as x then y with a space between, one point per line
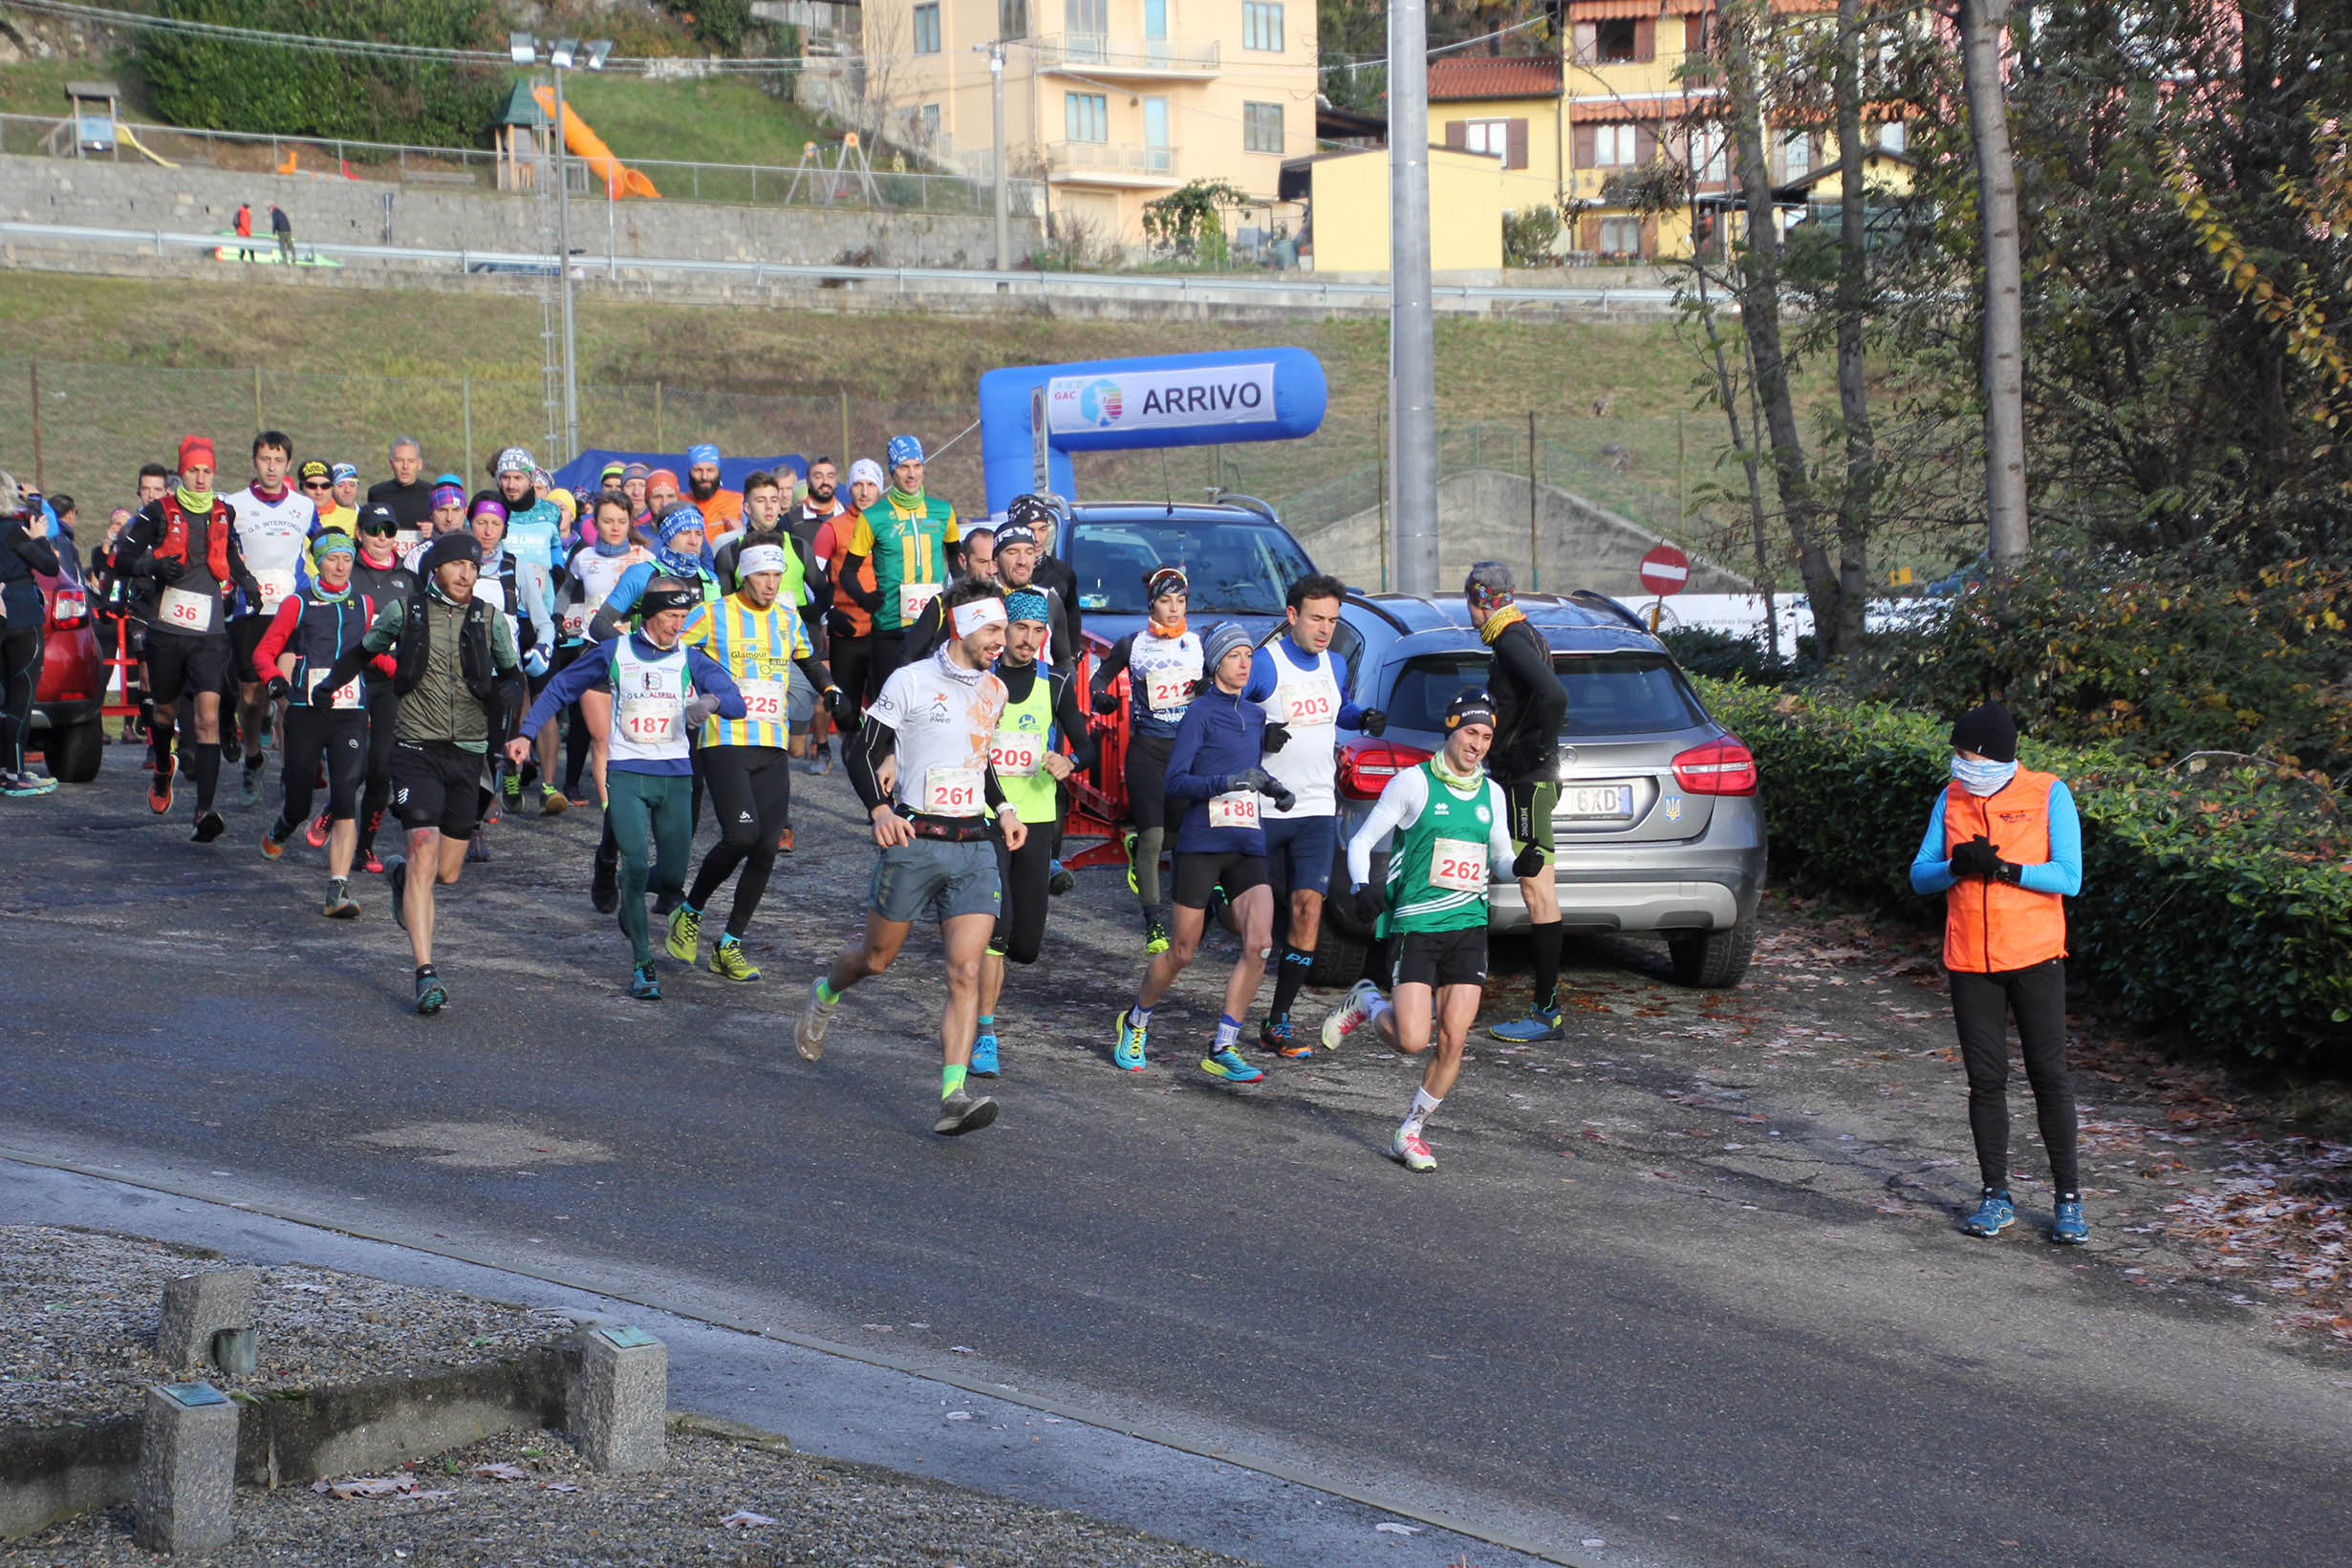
1736 1365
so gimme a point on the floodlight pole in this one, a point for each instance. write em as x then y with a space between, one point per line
996 93
563 269
1412 347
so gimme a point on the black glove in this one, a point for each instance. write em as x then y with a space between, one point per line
1251 777
1530 862
1364 904
1975 858
280 688
165 570
2009 872
1277 737
836 702
1105 702
1373 721
837 624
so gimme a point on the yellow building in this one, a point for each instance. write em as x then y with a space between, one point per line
1352 210
1113 102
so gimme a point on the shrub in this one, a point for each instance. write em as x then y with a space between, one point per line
1727 656
1531 237
2205 904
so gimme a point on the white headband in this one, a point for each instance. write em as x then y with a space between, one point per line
979 612
759 558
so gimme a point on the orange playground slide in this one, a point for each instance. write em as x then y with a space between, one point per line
589 149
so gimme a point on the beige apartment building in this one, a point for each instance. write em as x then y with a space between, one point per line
1113 103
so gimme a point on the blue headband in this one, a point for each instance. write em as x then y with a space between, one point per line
905 449
678 520
1026 604
702 452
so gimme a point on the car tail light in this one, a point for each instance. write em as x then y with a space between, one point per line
1720 767
67 607
1366 766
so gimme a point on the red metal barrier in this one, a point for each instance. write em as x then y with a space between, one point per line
1098 799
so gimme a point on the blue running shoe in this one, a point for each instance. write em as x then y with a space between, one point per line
642 985
1540 1023
984 1057
1228 1066
1276 1035
2069 1229
1994 1215
1128 1053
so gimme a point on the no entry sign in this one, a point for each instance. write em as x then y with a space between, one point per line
1665 570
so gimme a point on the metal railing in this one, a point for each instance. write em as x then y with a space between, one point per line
1113 54
1119 158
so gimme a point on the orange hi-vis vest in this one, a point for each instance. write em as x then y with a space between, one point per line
1989 926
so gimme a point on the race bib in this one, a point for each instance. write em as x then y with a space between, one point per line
405 540
275 587
185 611
1458 864
1311 705
1238 809
492 591
762 701
952 792
1166 693
650 721
576 618
1016 754
345 695
912 597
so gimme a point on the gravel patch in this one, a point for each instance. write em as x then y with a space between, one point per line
78 1311
554 1512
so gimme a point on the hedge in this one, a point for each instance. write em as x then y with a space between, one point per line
2200 907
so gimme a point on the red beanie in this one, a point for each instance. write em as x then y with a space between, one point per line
195 446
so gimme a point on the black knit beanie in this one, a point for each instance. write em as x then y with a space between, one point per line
1987 730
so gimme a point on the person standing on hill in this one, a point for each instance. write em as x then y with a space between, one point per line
2004 846
244 226
283 228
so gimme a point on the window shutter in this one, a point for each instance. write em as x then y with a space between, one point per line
1650 236
1646 38
1457 134
1645 142
1515 136
1587 36
1583 150
1591 235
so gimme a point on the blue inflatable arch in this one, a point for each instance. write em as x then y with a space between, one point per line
1034 416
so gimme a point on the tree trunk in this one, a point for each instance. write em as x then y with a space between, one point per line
1982 23
1760 317
1856 498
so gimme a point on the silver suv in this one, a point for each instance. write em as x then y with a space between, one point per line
1658 824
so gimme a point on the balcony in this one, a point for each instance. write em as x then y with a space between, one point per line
1110 163
1109 55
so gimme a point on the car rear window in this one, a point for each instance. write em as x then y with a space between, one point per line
1235 567
1609 694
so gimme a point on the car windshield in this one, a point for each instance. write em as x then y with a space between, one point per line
1609 694
1235 568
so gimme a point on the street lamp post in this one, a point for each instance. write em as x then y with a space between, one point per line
562 55
1413 346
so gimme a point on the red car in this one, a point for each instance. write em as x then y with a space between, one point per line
67 722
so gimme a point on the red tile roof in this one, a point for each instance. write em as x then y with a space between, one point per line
1456 77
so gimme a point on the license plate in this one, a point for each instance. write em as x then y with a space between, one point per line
1590 802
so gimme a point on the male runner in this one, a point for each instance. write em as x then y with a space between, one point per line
597 569
276 524
1451 833
634 478
1041 711
309 632
933 724
1164 667
1303 690
806 523
318 487
1055 575
978 562
755 634
378 574
183 546
849 624
722 508
1530 706
343 488
661 691
515 588
407 492
448 516
457 668
803 582
1213 768
906 536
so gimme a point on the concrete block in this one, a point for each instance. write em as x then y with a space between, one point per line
187 1469
197 1306
623 1401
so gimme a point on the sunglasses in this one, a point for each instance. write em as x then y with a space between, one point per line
318 485
380 529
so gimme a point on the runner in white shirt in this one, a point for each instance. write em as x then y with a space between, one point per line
275 522
920 764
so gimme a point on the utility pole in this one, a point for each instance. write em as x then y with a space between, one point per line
1413 347
563 266
996 108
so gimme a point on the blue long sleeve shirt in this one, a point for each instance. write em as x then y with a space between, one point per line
592 672
1220 735
2061 873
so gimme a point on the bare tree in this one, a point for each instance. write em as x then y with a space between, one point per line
1857 496
1982 23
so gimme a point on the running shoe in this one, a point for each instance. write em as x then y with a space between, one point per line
665 903
399 893
553 803
209 825
809 1040
374 865
1361 1006
1411 1150
983 1056
1229 1066
340 905
728 963
1275 1035
685 941
825 758
477 852
248 787
511 780
494 811
1126 842
642 986
159 790
1064 881
1155 940
783 842
2069 1229
1127 1049
1994 1215
315 835
1540 1023
25 785
604 888
431 995
271 845
233 749
964 1112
